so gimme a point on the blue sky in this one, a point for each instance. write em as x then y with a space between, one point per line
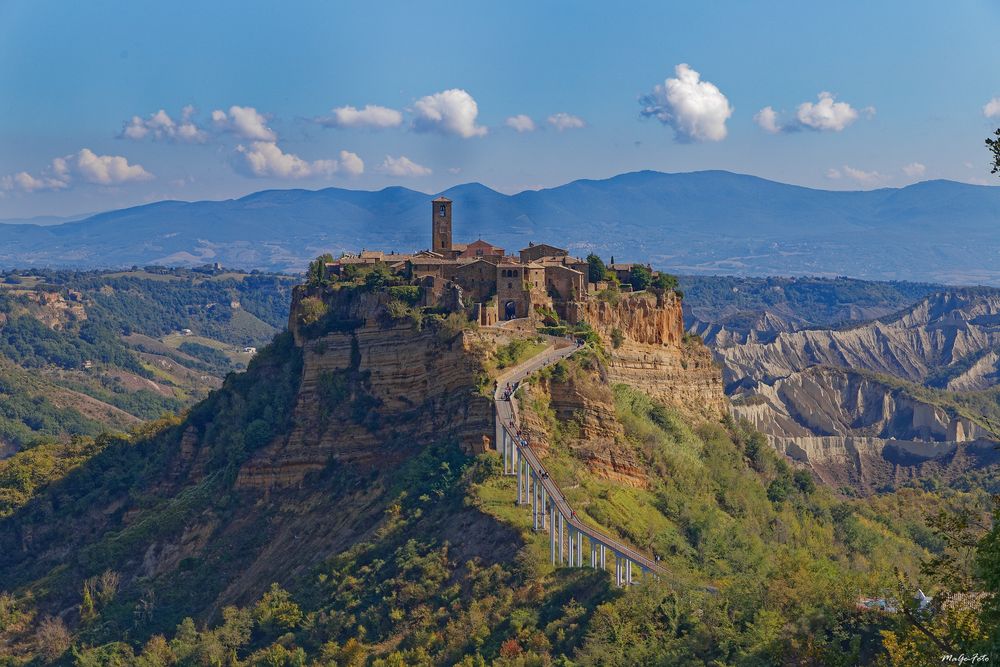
607 88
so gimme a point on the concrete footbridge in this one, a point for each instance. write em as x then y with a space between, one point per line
539 492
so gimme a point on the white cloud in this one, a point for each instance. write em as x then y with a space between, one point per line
108 169
823 115
25 182
863 177
914 170
826 114
448 112
160 126
564 121
263 159
696 110
521 123
244 121
351 163
768 120
992 108
372 116
85 165
833 173
402 166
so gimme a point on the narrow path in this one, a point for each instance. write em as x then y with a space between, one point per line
537 489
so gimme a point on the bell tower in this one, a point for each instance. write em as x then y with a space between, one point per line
441 226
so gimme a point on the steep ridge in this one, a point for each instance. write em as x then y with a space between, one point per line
920 345
878 403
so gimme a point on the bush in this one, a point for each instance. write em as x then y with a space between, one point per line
640 277
617 338
804 481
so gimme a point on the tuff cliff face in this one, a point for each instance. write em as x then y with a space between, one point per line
584 402
376 389
374 392
652 353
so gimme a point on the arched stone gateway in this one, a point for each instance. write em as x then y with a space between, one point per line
509 310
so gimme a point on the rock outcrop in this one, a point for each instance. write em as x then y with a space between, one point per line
584 408
375 392
644 336
929 343
827 401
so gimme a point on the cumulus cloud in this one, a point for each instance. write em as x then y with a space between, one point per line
992 108
824 115
914 170
521 123
449 112
264 159
84 165
245 122
695 109
371 116
564 121
861 176
108 169
402 166
351 163
767 118
160 126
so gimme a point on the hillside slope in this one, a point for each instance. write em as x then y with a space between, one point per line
333 496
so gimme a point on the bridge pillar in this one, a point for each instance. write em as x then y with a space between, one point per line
628 572
579 548
552 534
561 554
618 570
520 477
603 559
534 501
498 431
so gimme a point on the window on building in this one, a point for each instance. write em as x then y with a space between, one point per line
442 211
510 285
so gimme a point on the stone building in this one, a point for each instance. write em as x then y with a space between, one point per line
540 278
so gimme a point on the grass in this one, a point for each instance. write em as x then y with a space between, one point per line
174 341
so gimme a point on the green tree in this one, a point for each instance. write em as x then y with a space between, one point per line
596 271
994 146
316 274
640 277
665 281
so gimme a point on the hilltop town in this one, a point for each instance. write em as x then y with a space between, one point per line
497 286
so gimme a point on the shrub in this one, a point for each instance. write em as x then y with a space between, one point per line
311 309
617 338
640 277
408 294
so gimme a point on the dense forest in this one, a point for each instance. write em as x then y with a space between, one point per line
81 352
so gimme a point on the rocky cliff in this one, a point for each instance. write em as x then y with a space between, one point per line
827 401
930 343
375 390
644 336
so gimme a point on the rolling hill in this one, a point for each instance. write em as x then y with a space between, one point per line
696 223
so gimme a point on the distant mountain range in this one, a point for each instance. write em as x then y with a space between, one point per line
694 223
